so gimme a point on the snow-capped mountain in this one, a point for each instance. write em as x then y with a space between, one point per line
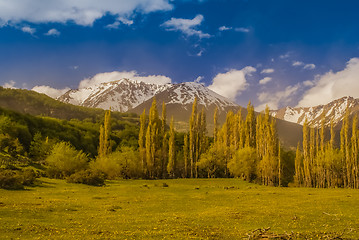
120 95
179 99
125 95
333 111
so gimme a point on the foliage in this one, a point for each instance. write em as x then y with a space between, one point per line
124 163
244 164
212 163
16 179
88 177
10 180
65 160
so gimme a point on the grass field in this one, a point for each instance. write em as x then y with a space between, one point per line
186 208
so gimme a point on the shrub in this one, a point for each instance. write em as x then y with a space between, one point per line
124 163
28 177
243 164
88 177
10 180
65 160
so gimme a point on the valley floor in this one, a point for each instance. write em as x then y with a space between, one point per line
176 209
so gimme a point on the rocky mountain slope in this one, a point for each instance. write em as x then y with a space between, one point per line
333 111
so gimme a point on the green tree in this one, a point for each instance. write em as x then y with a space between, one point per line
65 160
244 163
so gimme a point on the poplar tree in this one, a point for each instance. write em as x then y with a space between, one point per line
250 126
185 155
163 136
193 130
215 123
171 151
142 140
104 140
354 153
306 156
152 140
298 176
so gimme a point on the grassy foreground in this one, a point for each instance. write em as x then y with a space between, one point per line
187 208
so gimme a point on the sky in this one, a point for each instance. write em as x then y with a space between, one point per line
271 52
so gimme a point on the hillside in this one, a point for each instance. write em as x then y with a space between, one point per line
37 104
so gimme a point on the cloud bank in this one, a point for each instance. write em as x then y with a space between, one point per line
116 75
273 100
81 12
49 91
231 83
333 85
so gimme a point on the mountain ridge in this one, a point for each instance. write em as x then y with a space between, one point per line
333 111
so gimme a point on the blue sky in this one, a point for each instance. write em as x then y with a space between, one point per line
270 52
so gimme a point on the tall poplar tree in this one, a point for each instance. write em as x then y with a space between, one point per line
193 131
142 140
104 140
171 151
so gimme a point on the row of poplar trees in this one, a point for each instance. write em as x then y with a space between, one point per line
156 144
249 146
322 164
242 147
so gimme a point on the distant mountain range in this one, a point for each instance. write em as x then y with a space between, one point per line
333 111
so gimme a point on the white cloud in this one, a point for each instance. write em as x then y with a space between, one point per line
231 83
53 32
268 70
198 79
10 84
265 80
273 100
224 28
310 66
112 76
186 26
245 30
81 12
308 83
297 63
333 85
284 56
119 21
28 29
49 91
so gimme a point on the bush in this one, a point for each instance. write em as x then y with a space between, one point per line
243 164
124 163
65 160
10 180
88 177
28 177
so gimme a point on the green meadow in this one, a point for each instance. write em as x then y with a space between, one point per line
177 209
